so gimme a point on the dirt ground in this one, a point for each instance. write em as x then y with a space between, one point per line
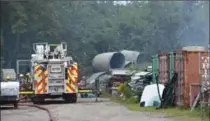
84 110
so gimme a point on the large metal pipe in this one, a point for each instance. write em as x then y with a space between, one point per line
106 61
132 56
127 64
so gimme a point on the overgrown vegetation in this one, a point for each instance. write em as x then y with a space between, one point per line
179 113
132 102
91 27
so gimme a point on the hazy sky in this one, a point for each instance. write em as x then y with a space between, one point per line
120 2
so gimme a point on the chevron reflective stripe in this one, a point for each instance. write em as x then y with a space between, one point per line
71 77
71 82
40 80
37 71
69 88
74 70
68 82
46 81
37 77
42 85
74 76
69 85
37 68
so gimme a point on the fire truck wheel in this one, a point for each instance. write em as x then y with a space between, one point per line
16 105
37 100
70 98
74 98
67 98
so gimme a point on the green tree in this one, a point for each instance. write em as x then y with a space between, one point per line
93 27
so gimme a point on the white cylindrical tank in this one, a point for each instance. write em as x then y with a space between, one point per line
131 56
108 60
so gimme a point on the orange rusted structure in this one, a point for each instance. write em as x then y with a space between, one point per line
190 66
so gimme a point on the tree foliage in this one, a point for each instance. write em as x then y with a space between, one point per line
94 27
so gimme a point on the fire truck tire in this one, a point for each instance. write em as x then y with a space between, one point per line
74 98
37 100
16 105
70 98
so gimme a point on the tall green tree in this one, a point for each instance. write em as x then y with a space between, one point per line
91 27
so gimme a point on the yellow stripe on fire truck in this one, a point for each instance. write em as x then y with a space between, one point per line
36 67
71 83
75 76
38 73
74 83
46 81
68 82
43 86
37 78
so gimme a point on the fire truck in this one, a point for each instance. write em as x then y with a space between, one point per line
53 73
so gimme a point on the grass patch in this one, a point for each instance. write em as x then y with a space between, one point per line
177 111
131 104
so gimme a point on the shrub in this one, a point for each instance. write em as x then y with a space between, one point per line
121 88
127 91
132 100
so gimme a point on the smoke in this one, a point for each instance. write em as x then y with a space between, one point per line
196 30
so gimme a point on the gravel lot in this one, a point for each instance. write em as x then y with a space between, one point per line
84 110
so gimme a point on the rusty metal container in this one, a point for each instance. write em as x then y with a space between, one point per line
191 67
179 69
163 59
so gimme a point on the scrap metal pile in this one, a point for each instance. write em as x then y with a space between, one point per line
112 67
176 77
